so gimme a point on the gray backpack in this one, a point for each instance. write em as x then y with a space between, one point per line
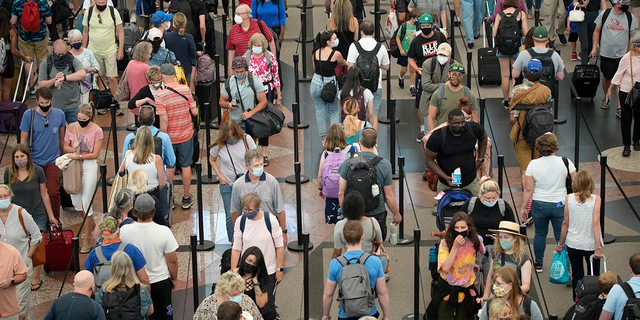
355 294
102 270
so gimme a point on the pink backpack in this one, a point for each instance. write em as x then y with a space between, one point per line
205 70
330 174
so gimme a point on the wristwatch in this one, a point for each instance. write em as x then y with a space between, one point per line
13 282
284 231
279 269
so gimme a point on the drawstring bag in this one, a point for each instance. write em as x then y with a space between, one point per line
559 274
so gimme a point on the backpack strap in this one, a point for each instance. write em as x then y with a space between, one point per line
433 64
359 47
628 290
363 258
441 95
228 88
89 16
243 221
121 247
526 302
100 255
403 29
566 164
472 204
343 261
267 221
374 162
502 206
502 259
33 114
113 16
174 90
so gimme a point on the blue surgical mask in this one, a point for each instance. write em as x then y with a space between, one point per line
489 204
506 245
335 43
5 203
252 214
257 171
236 299
256 50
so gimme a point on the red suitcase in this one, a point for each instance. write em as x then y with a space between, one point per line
59 250
7 117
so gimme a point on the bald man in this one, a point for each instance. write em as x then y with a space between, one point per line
77 304
64 74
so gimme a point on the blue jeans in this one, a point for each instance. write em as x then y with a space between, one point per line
225 192
530 4
322 108
542 213
71 115
472 13
377 101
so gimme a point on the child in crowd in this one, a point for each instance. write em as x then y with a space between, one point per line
500 309
573 35
404 42
230 310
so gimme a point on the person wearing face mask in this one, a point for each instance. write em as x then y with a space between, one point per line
265 233
91 66
229 288
13 271
77 304
254 272
45 142
613 30
226 157
507 286
145 96
241 32
447 95
455 293
83 142
159 54
509 250
62 72
405 35
264 64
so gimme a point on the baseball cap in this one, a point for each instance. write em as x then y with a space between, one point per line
239 62
620 1
154 33
540 33
144 202
160 17
534 66
426 18
444 49
167 70
457 66
108 226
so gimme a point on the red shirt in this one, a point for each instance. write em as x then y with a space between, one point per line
239 39
177 110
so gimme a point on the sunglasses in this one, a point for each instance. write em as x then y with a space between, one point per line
99 19
46 121
456 68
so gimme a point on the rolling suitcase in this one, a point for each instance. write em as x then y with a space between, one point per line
588 285
58 247
586 79
7 118
488 64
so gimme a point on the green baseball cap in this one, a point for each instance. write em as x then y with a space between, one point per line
540 33
426 18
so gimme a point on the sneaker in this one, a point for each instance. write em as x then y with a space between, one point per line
574 57
505 104
457 22
102 111
470 45
119 112
420 136
538 267
425 176
529 14
604 104
217 16
401 83
187 203
618 114
626 151
563 39
412 90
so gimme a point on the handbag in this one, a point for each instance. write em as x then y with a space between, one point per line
40 256
101 99
634 93
379 250
576 15
568 184
120 180
180 77
123 93
558 272
329 89
72 175
266 122
432 180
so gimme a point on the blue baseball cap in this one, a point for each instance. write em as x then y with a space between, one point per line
160 17
534 66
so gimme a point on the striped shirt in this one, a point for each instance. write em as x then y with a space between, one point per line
267 188
239 38
176 108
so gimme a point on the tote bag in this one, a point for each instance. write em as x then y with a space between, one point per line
558 272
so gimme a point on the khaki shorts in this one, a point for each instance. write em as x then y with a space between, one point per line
471 187
36 50
525 153
24 291
108 64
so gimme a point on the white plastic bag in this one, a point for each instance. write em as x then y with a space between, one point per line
392 23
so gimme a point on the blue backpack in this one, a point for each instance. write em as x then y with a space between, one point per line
450 203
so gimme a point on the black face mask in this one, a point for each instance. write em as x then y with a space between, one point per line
464 234
248 268
45 109
456 129
84 123
101 7
426 31
624 8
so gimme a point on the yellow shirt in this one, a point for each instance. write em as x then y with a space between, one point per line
102 36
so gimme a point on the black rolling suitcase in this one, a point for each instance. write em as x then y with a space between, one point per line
586 79
488 64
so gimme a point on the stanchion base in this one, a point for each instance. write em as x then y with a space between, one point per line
560 120
395 176
213 180
295 247
306 319
301 125
608 238
411 317
309 6
406 240
381 12
292 179
110 181
305 79
132 127
386 120
206 246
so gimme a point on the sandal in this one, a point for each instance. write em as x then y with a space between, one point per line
529 14
36 286
265 161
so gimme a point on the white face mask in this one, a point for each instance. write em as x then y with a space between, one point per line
442 60
237 19
166 25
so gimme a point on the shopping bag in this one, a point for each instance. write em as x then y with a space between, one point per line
392 23
558 269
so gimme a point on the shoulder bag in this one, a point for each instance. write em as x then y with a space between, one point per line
40 256
72 175
329 89
266 122
379 250
120 180
122 92
634 93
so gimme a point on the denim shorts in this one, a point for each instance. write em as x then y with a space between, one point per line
184 153
41 221
504 56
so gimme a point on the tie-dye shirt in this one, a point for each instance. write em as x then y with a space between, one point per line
461 272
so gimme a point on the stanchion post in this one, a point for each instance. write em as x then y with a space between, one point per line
203 245
233 11
469 58
556 98
576 156
103 185
225 53
216 59
482 105
500 173
392 138
402 238
452 30
75 244
305 266
296 77
303 20
389 116
16 125
210 178
607 237
116 162
194 270
296 156
552 316
297 245
416 279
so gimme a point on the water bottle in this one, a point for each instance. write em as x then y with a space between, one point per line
393 237
433 256
457 177
375 190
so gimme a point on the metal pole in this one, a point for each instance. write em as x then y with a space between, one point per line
402 238
452 18
303 20
296 77
469 58
233 8
225 53
116 162
416 279
388 117
500 173
203 245
103 184
298 246
216 59
16 125
482 106
305 281
556 98
608 238
392 138
296 156
194 269
576 157
210 178
75 244
377 19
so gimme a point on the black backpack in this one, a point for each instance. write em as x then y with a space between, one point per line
60 11
539 120
587 308
631 309
123 305
369 66
509 33
157 141
549 76
362 179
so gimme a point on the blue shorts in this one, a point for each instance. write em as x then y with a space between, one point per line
505 56
71 115
403 61
184 153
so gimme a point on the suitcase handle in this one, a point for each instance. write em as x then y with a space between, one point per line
604 261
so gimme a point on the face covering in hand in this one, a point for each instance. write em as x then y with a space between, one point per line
499 291
456 80
464 234
236 299
84 123
256 50
257 172
231 140
442 59
335 43
45 109
252 214
456 129
21 163
249 269
5 203
489 204
624 8
237 19
77 45
506 245
241 76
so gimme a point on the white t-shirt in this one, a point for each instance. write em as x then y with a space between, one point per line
368 44
154 241
257 234
549 174
366 94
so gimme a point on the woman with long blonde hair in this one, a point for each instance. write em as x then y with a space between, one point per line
183 46
499 309
507 286
346 27
138 184
352 125
142 157
124 279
